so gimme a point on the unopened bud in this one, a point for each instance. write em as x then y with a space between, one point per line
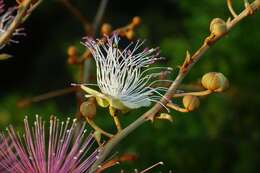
191 102
72 51
218 27
136 21
130 34
215 81
106 29
88 109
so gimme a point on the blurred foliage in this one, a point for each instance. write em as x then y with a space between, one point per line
222 136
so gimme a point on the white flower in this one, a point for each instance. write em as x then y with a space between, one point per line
6 18
124 76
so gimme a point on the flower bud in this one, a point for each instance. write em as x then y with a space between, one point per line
218 27
214 81
130 34
191 102
72 51
136 21
88 109
106 29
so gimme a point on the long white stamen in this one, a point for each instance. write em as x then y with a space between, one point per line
125 75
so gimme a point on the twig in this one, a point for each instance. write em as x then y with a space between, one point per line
31 9
99 15
88 64
176 107
149 115
86 25
46 96
22 10
197 93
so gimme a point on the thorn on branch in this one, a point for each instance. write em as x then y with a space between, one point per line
248 7
188 60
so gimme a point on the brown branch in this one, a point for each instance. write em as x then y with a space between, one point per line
32 8
150 114
86 25
99 15
18 20
51 94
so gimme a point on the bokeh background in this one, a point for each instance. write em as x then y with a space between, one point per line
222 136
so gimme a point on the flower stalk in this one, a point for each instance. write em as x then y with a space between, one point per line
196 93
97 128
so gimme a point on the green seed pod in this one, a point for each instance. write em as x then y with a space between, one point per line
136 21
191 102
215 81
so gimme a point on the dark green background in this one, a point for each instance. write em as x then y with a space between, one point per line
222 136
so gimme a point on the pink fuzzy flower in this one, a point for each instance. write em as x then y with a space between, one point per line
64 149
